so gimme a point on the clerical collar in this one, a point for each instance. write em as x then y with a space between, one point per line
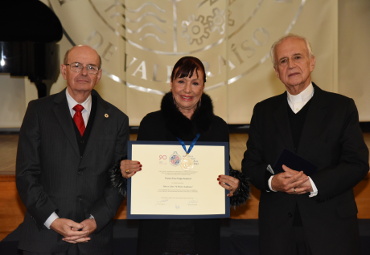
296 102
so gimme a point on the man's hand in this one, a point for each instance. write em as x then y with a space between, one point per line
304 188
88 227
72 232
291 181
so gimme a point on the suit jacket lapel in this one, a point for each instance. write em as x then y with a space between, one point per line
97 129
315 115
64 117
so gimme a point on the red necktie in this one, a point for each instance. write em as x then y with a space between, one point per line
78 118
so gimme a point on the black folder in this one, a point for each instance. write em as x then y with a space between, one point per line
295 162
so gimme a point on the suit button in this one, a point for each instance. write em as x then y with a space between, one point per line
290 215
81 171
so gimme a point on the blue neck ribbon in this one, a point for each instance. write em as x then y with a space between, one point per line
191 145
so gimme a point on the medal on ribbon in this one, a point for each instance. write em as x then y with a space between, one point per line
186 162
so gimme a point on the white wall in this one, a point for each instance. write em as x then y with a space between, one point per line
12 102
354 53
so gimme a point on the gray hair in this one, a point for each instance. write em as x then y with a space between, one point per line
273 47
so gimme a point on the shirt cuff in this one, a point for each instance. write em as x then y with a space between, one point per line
51 219
269 183
314 188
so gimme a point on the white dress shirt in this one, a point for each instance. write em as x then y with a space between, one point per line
86 104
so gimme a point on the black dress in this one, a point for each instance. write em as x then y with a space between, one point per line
184 236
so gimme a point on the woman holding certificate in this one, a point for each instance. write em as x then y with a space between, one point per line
186 114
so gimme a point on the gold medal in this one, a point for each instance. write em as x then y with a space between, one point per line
187 163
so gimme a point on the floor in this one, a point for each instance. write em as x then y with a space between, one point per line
238 237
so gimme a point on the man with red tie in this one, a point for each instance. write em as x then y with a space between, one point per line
67 144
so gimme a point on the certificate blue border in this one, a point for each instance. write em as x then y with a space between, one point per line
177 216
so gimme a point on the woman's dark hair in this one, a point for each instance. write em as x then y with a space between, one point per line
186 66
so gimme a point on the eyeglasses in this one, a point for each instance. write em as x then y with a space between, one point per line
77 68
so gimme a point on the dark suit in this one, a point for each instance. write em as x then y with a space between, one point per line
332 140
52 176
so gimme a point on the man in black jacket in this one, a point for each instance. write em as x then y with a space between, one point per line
63 168
312 211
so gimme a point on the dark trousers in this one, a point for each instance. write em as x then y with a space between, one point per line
72 250
302 247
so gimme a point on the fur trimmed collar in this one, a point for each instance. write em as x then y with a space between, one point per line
181 126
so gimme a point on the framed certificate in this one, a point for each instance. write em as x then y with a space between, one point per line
173 184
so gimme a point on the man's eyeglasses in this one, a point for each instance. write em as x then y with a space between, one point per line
77 68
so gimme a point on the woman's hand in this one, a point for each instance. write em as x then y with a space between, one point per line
129 168
229 183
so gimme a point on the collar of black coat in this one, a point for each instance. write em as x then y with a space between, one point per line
181 126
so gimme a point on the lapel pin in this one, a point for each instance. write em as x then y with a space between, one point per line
106 115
